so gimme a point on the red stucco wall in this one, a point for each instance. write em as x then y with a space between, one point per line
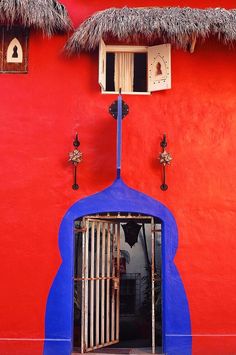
41 111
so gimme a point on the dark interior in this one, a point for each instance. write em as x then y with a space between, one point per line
140 72
110 70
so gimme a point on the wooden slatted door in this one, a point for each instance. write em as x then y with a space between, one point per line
100 284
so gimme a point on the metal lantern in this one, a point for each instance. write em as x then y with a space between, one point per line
131 230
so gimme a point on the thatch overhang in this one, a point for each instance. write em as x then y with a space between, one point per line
179 26
49 16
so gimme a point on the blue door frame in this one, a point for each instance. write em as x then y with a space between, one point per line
118 197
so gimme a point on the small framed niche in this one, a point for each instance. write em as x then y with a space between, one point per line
14 50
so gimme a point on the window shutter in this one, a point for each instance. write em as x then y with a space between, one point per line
159 67
102 65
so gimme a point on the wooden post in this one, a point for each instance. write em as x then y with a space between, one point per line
193 43
108 284
98 283
83 288
91 338
113 283
103 284
153 287
118 289
86 289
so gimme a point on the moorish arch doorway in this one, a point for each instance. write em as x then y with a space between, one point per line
176 326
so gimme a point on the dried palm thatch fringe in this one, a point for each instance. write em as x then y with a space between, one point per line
48 16
178 26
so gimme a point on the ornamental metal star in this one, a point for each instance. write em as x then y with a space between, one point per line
75 157
165 158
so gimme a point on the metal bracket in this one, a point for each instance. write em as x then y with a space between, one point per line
75 159
165 159
113 109
80 230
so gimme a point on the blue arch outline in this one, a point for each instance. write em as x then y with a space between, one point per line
118 197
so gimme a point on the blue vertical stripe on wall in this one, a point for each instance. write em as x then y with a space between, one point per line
119 136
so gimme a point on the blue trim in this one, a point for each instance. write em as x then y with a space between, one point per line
118 197
119 136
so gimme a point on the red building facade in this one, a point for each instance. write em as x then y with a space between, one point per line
40 113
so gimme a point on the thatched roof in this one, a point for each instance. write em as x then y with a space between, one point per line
178 26
47 15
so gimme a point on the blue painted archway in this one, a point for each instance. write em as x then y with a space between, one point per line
118 197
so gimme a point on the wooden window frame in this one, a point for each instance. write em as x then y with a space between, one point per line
6 36
103 49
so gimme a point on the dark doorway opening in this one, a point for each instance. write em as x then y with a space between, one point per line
136 271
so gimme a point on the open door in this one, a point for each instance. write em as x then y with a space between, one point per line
102 65
100 284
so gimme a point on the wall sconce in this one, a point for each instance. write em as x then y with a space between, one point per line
75 158
165 159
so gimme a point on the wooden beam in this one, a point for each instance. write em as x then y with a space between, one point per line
193 43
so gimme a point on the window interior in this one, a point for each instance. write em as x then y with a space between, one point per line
140 72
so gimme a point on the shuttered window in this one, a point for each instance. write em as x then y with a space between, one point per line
134 69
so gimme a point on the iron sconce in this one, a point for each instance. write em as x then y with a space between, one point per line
165 159
75 157
113 109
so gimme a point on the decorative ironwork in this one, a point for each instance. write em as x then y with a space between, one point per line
113 109
75 157
165 159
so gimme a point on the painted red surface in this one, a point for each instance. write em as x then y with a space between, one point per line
40 113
